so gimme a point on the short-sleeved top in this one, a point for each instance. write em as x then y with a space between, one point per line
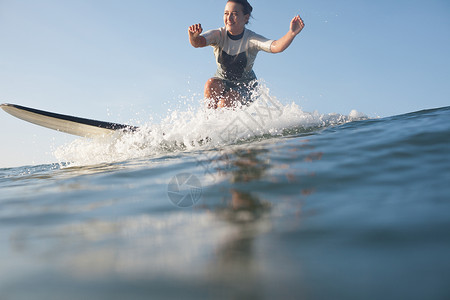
235 55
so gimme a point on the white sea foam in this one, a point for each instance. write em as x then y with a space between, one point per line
200 128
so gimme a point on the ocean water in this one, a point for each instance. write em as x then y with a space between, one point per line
267 202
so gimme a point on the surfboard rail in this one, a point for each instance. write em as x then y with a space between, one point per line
65 123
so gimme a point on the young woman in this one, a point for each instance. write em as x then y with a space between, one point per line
235 48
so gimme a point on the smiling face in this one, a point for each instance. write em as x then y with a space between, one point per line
234 18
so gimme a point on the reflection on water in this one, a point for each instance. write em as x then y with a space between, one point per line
235 254
250 214
244 166
238 258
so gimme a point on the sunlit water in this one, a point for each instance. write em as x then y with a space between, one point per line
289 205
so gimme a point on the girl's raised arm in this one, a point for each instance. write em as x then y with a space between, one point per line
295 28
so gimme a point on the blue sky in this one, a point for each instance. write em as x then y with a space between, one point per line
127 61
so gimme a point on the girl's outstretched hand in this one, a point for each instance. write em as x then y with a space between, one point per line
195 38
195 30
297 25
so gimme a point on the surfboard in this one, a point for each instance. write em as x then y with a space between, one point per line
65 123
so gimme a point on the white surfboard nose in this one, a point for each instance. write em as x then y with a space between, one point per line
65 123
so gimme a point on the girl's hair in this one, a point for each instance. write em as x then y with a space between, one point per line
247 7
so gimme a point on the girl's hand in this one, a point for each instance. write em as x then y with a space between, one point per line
297 25
195 38
195 30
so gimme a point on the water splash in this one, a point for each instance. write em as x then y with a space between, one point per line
200 128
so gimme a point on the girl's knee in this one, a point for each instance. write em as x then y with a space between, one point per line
214 88
214 83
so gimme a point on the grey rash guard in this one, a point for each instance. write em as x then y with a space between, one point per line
235 55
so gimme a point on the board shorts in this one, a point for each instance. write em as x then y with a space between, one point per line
246 89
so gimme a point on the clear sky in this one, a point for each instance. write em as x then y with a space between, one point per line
127 61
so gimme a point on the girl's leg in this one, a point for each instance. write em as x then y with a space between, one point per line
218 96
